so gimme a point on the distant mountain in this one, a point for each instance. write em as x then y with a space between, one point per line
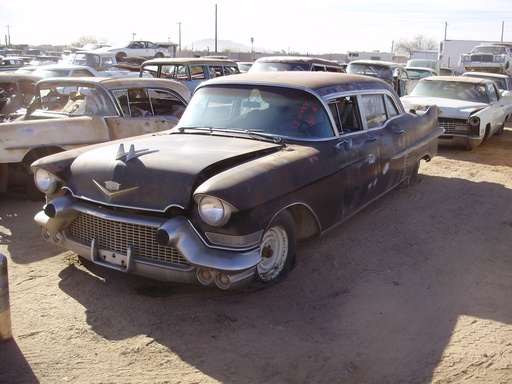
222 46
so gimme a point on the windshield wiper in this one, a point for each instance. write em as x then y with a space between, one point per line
260 135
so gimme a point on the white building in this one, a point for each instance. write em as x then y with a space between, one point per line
374 55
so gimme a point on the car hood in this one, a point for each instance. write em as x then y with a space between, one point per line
152 172
447 107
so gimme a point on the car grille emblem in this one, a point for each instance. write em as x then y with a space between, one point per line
112 189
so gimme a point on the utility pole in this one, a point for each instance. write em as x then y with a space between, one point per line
179 36
215 28
8 37
445 29
502 28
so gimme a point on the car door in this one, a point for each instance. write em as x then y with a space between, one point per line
358 157
499 109
378 111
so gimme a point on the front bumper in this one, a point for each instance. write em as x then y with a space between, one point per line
128 243
460 140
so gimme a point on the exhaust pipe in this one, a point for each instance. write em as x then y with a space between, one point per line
205 276
223 281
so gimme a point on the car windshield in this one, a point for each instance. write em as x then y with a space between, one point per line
263 109
279 66
374 70
501 83
489 49
451 90
416 73
76 100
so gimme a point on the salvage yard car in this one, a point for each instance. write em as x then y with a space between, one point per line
470 109
392 73
496 58
68 113
295 63
256 163
189 71
504 84
136 48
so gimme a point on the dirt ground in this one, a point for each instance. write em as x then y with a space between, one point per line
417 288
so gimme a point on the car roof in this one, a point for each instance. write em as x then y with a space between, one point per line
458 79
377 62
321 82
188 60
296 59
16 76
489 74
117 82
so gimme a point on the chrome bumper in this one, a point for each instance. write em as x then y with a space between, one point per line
226 269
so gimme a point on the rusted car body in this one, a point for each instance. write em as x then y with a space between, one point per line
256 163
68 113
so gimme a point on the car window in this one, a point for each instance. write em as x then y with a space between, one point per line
493 93
197 72
391 108
165 103
274 110
76 100
142 102
346 114
374 110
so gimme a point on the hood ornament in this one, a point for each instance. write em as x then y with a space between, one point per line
132 153
112 189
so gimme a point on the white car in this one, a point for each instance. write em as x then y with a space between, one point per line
136 48
495 58
503 82
470 109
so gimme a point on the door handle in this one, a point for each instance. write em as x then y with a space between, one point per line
372 139
399 132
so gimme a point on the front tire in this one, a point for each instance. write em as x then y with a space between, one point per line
277 250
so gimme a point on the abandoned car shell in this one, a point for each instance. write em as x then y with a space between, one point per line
257 162
68 113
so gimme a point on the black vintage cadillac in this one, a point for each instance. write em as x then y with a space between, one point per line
258 162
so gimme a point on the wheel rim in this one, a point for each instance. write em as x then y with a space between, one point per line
274 251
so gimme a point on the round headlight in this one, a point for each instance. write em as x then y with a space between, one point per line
213 211
45 181
498 58
474 121
465 58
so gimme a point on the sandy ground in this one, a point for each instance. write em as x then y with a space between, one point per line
416 288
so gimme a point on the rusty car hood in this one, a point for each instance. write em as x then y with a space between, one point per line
156 172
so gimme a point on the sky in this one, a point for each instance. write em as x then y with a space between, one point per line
312 27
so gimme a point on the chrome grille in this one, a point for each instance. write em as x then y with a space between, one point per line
483 58
117 236
454 126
